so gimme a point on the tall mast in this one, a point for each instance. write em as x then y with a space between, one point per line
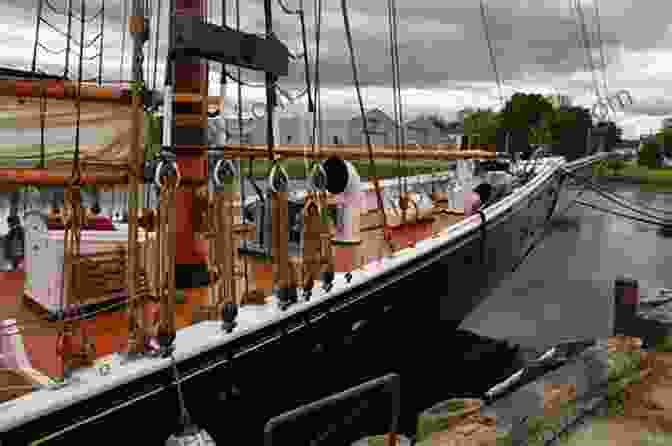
190 75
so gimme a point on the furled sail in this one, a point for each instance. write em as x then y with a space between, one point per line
27 119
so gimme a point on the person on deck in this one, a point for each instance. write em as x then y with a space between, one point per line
475 199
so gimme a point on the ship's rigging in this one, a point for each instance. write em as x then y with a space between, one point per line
138 22
157 226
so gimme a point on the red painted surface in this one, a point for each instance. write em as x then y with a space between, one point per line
631 295
407 235
109 330
189 249
188 78
98 223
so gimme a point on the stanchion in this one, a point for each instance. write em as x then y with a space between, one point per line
626 302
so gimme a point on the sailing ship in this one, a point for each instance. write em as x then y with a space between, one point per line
362 278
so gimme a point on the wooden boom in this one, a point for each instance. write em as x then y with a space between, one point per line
60 89
40 177
438 152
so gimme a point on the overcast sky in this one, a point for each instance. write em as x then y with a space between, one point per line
444 56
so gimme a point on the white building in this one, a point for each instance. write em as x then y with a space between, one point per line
422 130
667 123
380 128
297 129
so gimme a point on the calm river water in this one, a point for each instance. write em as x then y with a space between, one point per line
564 290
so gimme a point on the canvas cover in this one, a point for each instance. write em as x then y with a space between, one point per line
105 132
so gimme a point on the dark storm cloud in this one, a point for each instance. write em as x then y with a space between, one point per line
439 42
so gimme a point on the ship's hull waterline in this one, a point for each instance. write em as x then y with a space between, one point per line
395 321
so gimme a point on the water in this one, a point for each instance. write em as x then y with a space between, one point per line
565 288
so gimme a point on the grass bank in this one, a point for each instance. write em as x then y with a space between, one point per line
633 415
632 172
13 155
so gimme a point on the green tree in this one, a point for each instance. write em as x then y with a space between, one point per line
481 126
569 130
610 132
649 155
664 138
528 117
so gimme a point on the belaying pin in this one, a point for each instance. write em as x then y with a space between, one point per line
229 314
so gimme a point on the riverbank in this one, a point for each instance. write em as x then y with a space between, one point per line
633 173
635 408
613 393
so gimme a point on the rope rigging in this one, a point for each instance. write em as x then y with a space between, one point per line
587 47
69 14
317 260
302 21
600 42
620 214
367 137
317 113
72 356
623 202
491 51
396 99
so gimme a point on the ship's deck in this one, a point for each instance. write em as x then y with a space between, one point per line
110 329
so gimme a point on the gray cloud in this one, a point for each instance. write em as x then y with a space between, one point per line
442 45
438 43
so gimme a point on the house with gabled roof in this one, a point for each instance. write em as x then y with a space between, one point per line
380 126
431 130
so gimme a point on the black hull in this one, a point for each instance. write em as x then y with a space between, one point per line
232 391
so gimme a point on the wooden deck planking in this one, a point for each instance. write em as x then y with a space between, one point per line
110 329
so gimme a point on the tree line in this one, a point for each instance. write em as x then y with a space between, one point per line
529 120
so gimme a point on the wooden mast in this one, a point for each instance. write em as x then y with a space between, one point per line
190 147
